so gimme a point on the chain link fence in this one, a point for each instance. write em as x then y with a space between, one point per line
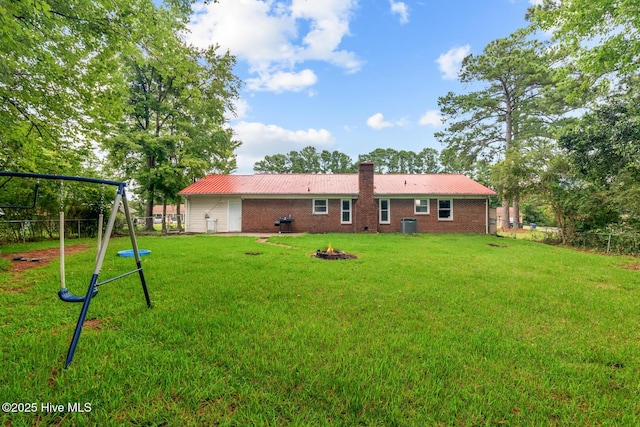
29 230
171 223
610 243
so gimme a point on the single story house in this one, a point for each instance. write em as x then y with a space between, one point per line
172 213
343 203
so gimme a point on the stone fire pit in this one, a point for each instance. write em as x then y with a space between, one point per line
332 254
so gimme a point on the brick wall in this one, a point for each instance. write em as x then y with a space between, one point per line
469 216
258 215
366 207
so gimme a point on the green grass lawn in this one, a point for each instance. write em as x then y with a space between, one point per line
419 330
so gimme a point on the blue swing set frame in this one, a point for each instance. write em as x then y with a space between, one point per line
121 197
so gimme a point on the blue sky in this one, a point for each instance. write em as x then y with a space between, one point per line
346 75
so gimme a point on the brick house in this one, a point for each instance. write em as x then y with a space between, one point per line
172 213
342 203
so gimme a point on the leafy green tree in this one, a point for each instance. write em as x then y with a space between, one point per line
534 211
404 161
605 143
604 148
336 162
513 176
62 85
576 204
381 157
429 160
522 99
307 160
389 160
173 130
604 34
385 160
277 163
61 77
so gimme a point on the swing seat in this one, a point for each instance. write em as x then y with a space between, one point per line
67 296
128 253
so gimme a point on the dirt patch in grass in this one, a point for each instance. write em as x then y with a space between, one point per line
93 324
25 260
264 240
497 246
633 266
606 286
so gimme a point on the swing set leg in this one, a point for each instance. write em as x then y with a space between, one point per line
136 253
83 315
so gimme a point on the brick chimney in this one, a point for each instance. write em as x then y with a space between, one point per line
366 209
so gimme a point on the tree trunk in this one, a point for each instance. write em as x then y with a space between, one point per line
505 214
508 135
164 216
516 212
149 215
151 161
178 213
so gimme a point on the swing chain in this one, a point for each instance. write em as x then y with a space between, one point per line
61 196
102 200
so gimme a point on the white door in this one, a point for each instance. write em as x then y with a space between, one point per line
235 215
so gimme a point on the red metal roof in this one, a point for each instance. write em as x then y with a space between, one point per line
434 184
271 184
336 184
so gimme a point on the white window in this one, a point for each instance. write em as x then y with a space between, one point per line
385 214
345 215
320 206
421 206
445 210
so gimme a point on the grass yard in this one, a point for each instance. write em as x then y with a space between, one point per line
419 330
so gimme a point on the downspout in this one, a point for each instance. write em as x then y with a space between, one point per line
187 214
486 215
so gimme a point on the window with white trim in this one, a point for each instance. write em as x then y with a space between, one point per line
385 214
320 206
421 207
345 214
445 209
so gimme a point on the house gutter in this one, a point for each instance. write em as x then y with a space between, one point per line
486 215
187 213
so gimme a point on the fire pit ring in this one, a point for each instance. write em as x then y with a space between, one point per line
333 254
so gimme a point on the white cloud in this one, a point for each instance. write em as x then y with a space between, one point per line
449 63
401 9
378 122
281 81
259 140
267 35
431 118
402 122
536 2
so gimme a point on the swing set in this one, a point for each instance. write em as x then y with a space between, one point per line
92 290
